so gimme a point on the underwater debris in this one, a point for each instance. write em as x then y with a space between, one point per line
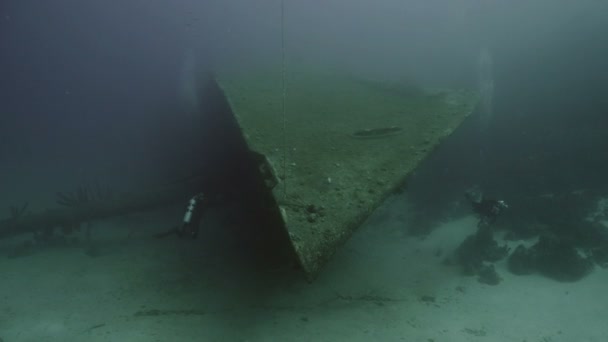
371 133
84 194
95 203
17 212
326 162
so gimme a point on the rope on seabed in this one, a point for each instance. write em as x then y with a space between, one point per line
284 95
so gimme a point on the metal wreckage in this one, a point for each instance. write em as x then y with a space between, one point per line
311 157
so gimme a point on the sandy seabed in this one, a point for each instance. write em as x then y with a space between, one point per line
383 285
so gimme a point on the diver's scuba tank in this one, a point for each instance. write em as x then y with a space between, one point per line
192 217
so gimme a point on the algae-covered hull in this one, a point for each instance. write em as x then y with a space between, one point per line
333 147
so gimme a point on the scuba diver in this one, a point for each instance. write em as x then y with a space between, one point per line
479 250
487 210
192 218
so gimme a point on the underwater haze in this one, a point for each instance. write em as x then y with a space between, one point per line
111 124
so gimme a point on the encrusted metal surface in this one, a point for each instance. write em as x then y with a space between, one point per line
331 179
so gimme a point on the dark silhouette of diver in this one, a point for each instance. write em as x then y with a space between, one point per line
487 210
479 250
191 222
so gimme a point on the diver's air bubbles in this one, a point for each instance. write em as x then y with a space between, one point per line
188 85
486 86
